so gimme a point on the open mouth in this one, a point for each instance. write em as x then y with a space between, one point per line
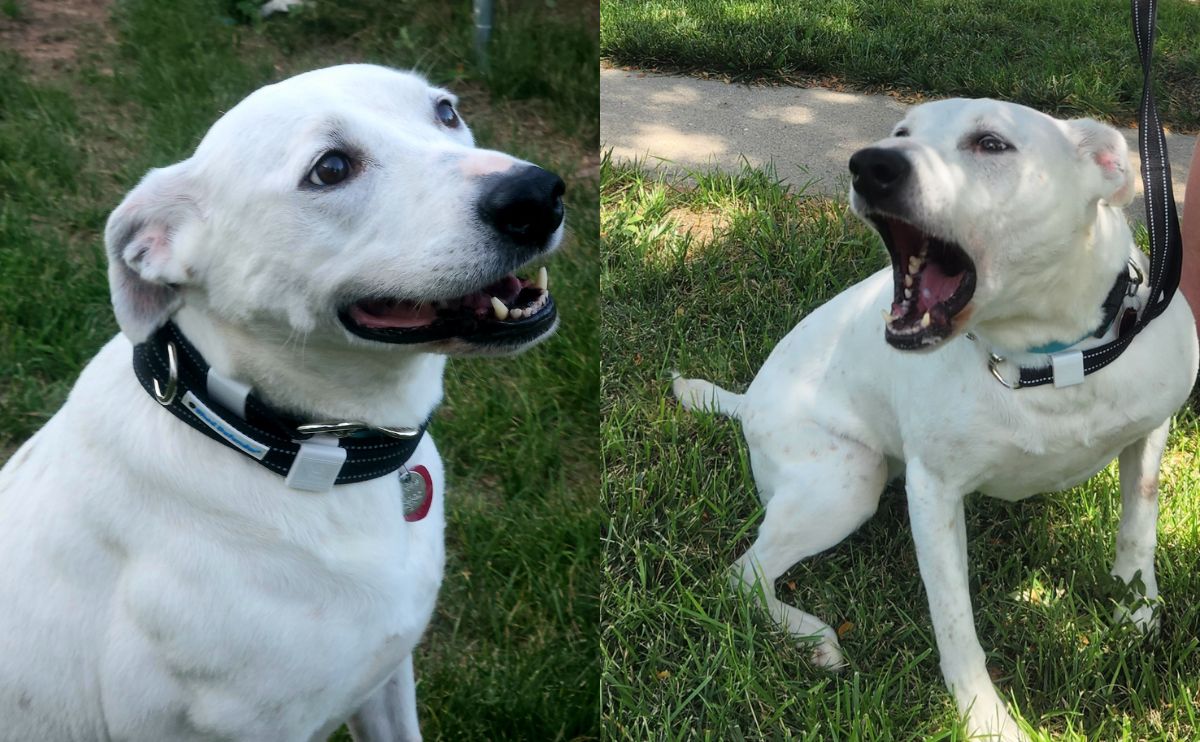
508 312
934 282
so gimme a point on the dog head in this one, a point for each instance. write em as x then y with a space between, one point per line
349 204
982 205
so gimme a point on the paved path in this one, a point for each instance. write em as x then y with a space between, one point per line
809 133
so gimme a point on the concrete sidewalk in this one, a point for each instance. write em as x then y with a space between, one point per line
809 133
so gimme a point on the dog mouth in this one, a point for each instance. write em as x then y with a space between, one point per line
934 282
511 311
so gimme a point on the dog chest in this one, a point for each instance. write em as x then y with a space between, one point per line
1034 441
252 640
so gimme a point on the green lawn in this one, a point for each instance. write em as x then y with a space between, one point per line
706 278
512 653
1066 57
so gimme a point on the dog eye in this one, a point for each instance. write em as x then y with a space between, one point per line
445 114
331 169
992 143
901 132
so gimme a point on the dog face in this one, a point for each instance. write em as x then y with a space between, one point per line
346 205
976 201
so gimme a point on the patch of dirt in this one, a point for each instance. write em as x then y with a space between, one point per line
49 34
589 167
698 225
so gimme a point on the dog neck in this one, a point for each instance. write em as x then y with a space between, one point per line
1064 304
321 382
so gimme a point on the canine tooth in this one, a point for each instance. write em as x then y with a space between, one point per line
887 316
499 308
543 279
925 320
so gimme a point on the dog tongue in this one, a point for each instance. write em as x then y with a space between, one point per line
392 314
936 286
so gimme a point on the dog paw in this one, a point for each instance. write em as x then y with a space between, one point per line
827 655
998 727
1144 617
986 717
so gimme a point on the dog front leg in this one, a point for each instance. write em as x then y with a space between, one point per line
1139 465
940 534
390 714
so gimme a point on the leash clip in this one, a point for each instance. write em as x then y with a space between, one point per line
1135 280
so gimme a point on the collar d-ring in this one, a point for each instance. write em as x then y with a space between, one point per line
166 398
994 362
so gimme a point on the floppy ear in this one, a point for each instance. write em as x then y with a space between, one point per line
1105 159
145 267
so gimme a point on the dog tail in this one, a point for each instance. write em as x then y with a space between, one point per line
698 394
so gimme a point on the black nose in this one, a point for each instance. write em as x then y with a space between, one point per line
878 173
524 204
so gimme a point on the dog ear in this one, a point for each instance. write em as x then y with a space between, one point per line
145 267
1105 157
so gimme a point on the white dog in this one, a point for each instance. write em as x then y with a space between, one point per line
179 563
1006 237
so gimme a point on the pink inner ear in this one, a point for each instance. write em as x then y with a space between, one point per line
1109 162
1114 169
149 249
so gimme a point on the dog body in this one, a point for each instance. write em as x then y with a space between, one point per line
326 245
1005 224
187 594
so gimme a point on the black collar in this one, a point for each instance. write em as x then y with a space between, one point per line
1066 364
209 403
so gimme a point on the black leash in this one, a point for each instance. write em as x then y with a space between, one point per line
312 462
1162 221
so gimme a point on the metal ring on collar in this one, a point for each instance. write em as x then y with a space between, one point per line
993 362
166 398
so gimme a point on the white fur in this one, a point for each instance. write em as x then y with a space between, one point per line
835 411
160 586
278 6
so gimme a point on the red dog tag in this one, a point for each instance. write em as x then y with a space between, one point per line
416 487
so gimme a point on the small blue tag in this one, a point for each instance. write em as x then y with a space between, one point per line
241 442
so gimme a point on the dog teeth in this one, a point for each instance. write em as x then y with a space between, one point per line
543 279
907 293
503 312
914 265
925 320
887 316
908 281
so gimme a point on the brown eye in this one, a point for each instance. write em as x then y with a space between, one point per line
901 132
445 114
331 169
993 143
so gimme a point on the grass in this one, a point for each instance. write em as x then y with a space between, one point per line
1066 57
706 278
512 651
